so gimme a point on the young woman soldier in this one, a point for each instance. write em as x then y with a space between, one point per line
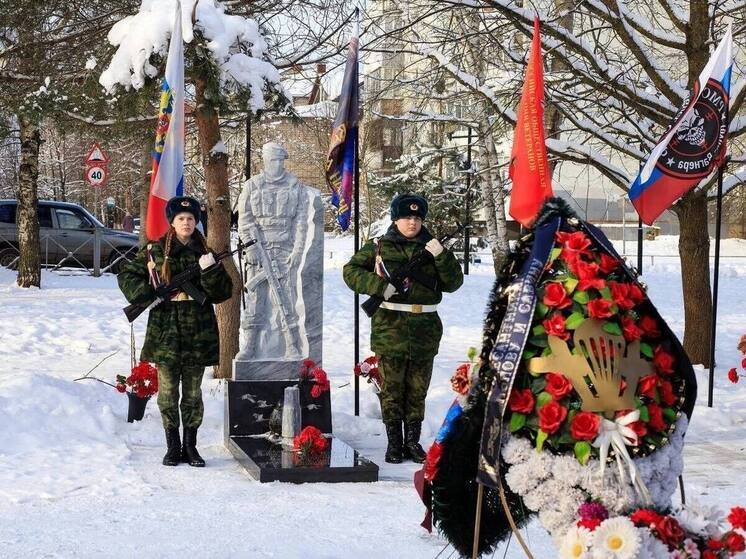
182 335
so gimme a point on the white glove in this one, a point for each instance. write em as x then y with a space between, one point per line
434 247
206 260
389 292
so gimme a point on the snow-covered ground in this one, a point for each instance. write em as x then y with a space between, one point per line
76 480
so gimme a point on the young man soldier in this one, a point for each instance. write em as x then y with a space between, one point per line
406 329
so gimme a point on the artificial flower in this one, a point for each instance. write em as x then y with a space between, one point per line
733 375
460 379
668 396
663 361
648 385
737 518
636 294
620 295
646 517
649 326
555 296
670 531
555 326
558 386
321 382
616 538
589 523
734 542
551 416
593 509
521 400
600 308
608 263
310 441
584 426
575 544
656 421
630 330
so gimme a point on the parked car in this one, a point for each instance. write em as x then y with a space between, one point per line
66 233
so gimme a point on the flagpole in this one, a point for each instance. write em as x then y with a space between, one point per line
715 278
356 205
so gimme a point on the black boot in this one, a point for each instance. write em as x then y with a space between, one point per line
412 448
189 452
173 454
394 448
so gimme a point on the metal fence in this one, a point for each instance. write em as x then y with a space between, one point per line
72 259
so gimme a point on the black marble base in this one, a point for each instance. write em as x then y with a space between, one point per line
249 405
267 462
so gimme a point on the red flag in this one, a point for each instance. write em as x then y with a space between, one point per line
529 168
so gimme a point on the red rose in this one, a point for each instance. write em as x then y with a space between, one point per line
707 554
600 308
645 517
717 545
734 542
656 421
551 416
574 245
584 426
733 375
636 294
555 326
620 294
647 386
586 284
667 394
737 517
521 400
670 531
557 385
608 263
630 330
663 361
121 388
556 296
590 523
649 326
584 270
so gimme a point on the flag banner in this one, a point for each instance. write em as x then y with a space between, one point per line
529 168
167 179
694 146
340 161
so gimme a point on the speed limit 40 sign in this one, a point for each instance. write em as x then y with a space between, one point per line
97 175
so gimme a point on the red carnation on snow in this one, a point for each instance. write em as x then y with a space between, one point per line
734 542
737 517
310 441
733 375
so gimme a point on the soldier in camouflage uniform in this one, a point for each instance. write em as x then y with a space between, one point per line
182 335
406 330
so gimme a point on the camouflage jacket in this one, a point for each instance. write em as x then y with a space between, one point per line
180 333
395 333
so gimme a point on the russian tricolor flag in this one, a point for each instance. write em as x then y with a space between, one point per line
167 179
694 145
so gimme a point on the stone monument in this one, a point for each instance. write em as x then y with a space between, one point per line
282 322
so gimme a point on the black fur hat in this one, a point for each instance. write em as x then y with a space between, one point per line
404 205
180 204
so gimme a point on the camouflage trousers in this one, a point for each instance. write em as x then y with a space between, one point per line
405 384
192 408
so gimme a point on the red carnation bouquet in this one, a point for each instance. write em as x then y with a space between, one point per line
581 283
310 372
142 381
368 369
310 445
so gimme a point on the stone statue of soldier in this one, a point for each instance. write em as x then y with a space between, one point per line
284 216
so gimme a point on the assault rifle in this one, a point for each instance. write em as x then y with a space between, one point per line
181 282
409 271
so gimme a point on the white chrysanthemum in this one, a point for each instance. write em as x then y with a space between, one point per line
519 482
575 544
616 538
650 546
517 450
568 469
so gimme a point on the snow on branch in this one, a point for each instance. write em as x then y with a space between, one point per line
233 43
572 151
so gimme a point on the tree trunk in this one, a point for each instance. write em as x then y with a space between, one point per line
27 218
219 223
493 198
694 250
